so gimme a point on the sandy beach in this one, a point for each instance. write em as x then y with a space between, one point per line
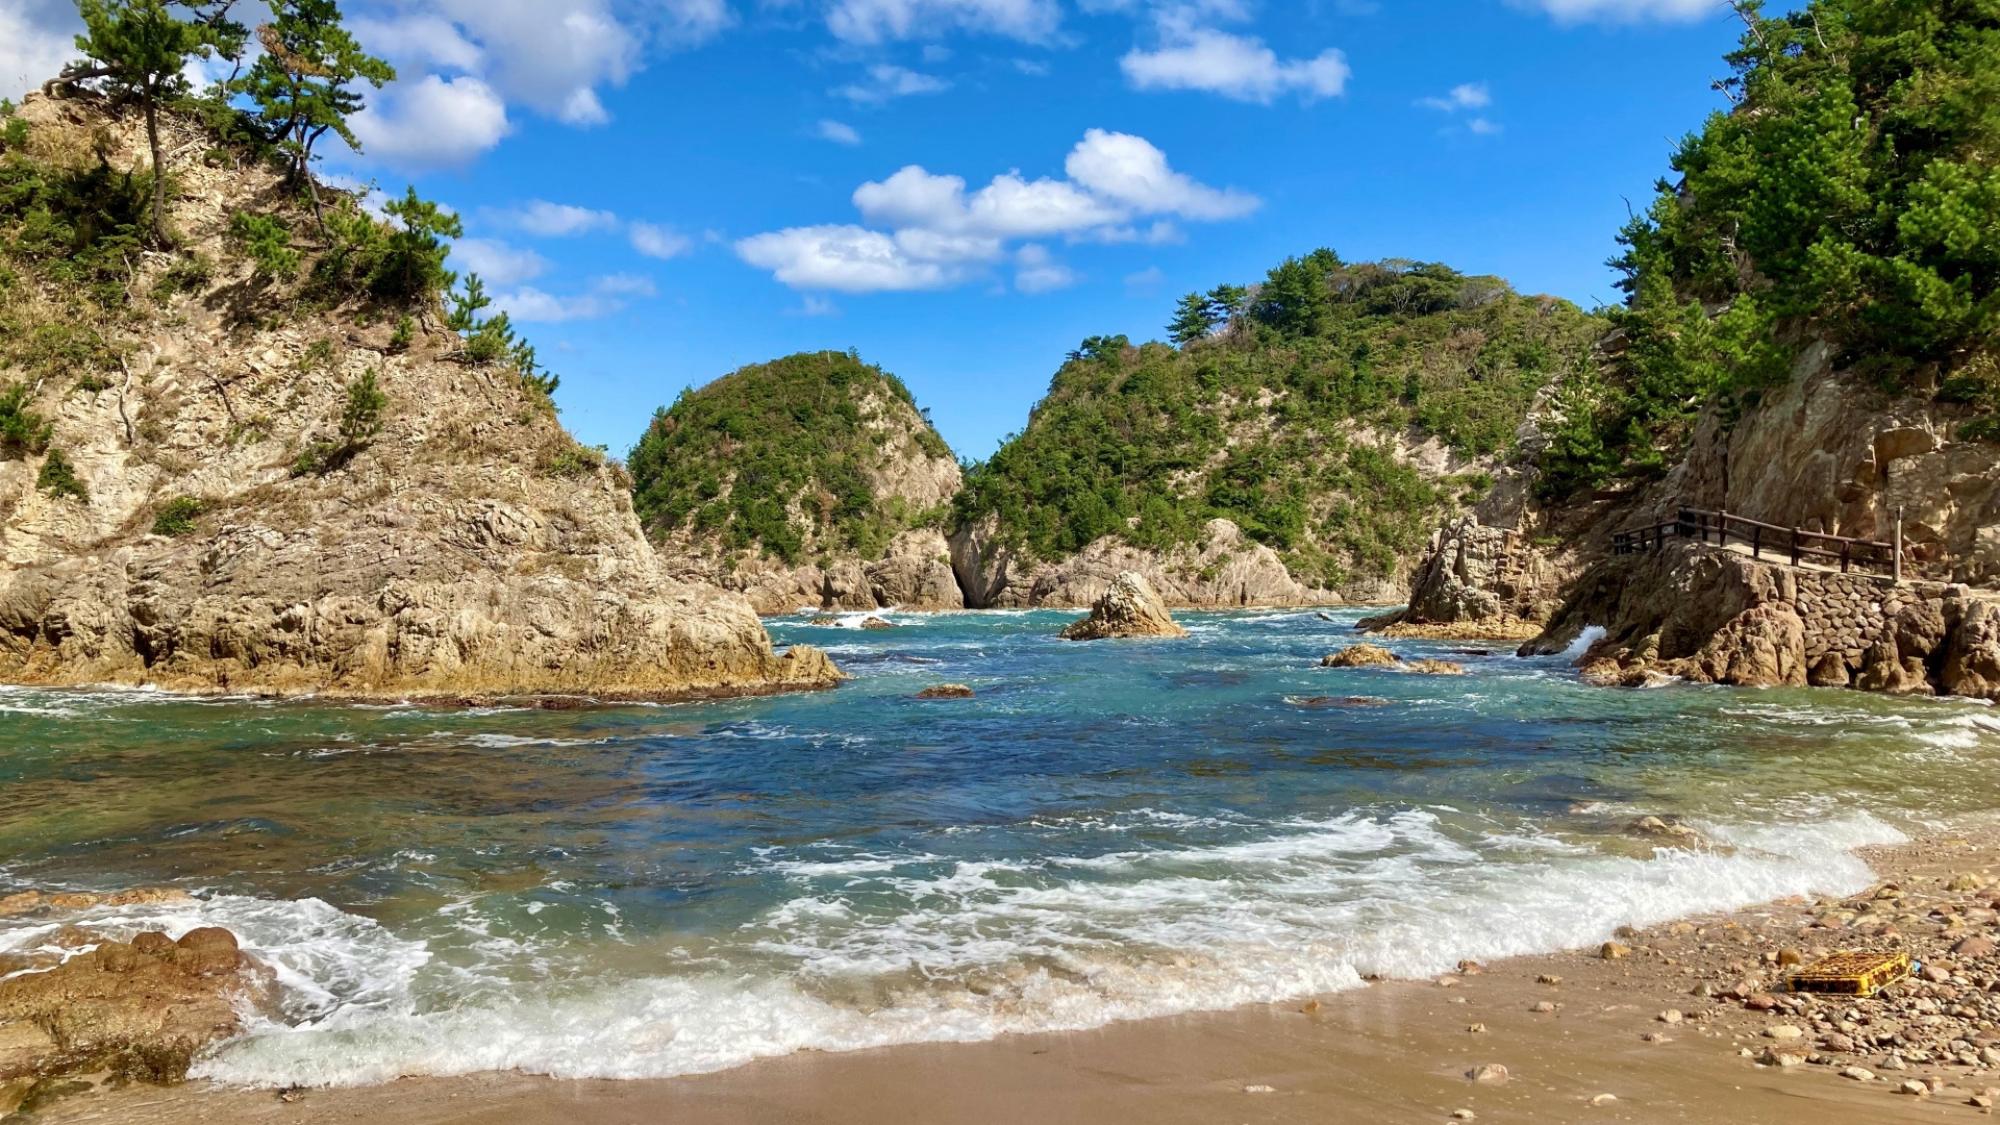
1680 1024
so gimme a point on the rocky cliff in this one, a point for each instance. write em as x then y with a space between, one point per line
810 481
222 475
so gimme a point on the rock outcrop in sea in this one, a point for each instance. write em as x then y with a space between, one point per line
1130 608
200 537
135 1010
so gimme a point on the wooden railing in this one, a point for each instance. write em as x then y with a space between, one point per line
1793 543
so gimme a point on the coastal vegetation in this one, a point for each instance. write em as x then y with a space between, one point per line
1287 408
1847 196
783 456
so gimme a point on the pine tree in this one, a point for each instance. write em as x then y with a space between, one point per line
140 51
1193 320
303 85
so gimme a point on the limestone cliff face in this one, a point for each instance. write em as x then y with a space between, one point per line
833 507
470 548
1223 571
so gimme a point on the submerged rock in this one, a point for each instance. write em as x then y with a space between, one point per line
1130 608
140 1009
1361 656
1663 828
877 623
1317 702
1434 668
947 691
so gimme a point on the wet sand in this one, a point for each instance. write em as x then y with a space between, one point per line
1395 1051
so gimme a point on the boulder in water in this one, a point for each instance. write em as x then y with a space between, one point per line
1434 668
1130 608
1361 656
947 691
874 623
138 1009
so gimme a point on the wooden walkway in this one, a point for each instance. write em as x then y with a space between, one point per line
1793 545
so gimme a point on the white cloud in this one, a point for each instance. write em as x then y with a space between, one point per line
434 122
36 38
656 241
1131 171
875 21
1150 278
1629 11
934 233
1483 127
496 262
814 306
424 40
1037 271
1235 66
607 295
625 285
838 132
556 220
551 54
1470 95
885 82
848 259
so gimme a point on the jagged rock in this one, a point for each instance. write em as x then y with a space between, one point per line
1764 646
1476 580
1661 828
140 1009
1130 608
1433 668
25 904
1971 659
1361 656
947 691
916 574
470 549
876 624
1223 571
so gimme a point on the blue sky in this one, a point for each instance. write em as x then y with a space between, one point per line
665 190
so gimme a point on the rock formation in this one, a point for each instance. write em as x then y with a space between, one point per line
1223 571
1717 617
1360 656
1476 582
138 1009
1130 608
468 548
947 691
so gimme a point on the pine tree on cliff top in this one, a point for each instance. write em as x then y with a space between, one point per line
140 50
304 84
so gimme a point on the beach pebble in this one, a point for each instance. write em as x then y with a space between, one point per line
1490 1073
1447 982
1463 1115
1476 1028
1671 1015
1774 1057
1914 1089
1604 1099
1858 1073
1471 968
1656 1037
1784 1033
1260 1089
1542 1006
1761 1003
1613 951
1548 978
1983 1101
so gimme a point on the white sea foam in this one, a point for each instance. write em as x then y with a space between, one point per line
973 949
1581 645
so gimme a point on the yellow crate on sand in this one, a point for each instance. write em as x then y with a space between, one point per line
1853 974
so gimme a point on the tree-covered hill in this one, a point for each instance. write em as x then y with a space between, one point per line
1850 197
817 454
1296 408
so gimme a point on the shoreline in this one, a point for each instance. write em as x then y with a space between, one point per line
1569 1027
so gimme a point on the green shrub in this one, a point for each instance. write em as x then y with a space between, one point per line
361 416
403 334
22 430
58 478
13 127
575 461
267 239
189 274
92 384
176 517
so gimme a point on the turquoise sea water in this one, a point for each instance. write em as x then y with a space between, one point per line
1108 831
